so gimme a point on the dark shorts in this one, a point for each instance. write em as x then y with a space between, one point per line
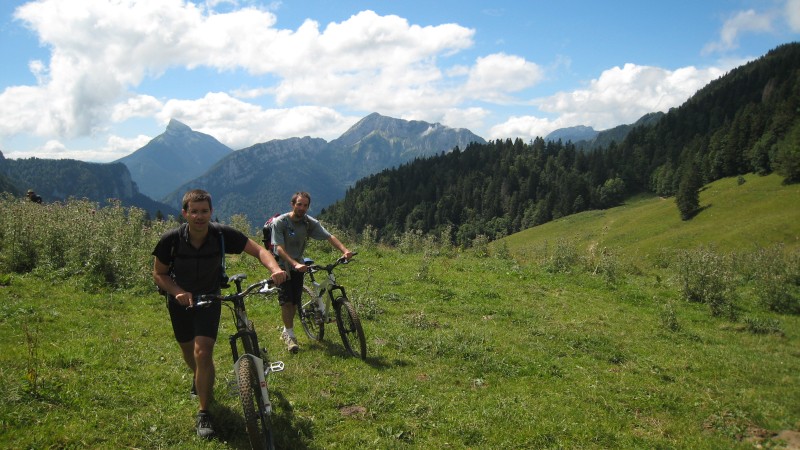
187 324
292 289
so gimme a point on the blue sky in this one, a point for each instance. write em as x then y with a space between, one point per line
95 80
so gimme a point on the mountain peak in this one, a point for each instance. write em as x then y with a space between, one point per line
177 126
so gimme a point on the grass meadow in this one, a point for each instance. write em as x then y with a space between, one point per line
624 328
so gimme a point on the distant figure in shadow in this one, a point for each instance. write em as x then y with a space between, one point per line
32 197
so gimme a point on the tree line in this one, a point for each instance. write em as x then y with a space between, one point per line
744 122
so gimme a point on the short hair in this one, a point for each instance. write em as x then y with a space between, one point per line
301 194
196 195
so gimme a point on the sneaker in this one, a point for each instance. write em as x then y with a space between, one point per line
205 429
193 392
291 343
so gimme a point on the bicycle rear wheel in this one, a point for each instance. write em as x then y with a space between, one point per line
312 325
259 427
350 328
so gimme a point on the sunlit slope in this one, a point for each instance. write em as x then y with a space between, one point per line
734 216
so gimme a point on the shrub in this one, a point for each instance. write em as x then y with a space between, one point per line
563 258
763 326
774 274
481 245
411 241
706 277
669 318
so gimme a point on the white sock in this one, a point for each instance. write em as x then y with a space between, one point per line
289 331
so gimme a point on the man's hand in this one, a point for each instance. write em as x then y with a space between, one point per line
279 277
185 299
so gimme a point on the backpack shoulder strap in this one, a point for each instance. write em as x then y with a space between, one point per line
213 227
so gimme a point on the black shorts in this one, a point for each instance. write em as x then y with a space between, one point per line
192 322
292 289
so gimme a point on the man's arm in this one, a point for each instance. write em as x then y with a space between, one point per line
300 267
336 243
266 259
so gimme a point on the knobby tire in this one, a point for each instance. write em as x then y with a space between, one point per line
258 425
350 328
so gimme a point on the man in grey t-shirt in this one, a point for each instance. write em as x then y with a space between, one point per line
290 232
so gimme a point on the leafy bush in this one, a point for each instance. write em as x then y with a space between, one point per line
563 257
107 246
706 277
775 274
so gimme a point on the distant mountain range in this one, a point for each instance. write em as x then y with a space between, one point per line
588 138
255 181
258 181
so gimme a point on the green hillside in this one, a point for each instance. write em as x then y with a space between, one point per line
483 348
760 212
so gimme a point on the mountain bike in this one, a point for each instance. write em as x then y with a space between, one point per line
252 366
324 296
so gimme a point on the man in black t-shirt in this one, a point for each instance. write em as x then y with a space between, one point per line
191 268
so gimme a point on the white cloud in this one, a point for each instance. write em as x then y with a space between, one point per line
137 106
742 22
469 118
494 76
526 127
793 15
115 147
621 95
101 50
239 124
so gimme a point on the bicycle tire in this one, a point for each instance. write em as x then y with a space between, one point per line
315 330
350 327
258 424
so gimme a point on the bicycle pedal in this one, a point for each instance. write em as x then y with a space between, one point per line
275 366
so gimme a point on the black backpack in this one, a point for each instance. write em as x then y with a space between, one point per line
267 230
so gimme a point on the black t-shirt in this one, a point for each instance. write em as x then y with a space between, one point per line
198 270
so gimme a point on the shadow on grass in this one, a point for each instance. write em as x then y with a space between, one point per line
288 431
337 349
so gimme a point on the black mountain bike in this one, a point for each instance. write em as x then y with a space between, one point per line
252 366
315 310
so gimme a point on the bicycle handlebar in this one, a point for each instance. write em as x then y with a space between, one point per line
341 260
264 287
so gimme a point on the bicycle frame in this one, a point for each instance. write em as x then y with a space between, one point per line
327 286
325 301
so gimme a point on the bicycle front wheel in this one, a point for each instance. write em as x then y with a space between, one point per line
259 427
310 318
350 328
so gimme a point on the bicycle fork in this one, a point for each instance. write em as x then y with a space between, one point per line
276 366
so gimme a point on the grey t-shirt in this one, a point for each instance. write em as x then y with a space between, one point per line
292 236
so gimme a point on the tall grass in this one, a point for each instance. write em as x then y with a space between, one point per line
105 246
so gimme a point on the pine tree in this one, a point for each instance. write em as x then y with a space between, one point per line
688 195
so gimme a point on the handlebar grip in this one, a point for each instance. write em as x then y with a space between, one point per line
204 300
